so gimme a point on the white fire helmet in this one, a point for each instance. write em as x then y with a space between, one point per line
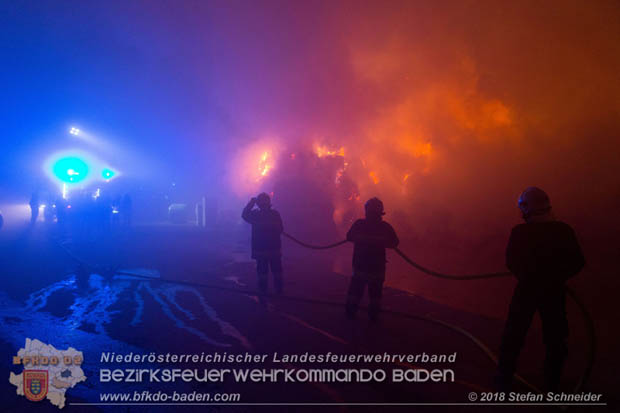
534 201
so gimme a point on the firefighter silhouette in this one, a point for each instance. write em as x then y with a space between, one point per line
266 243
543 254
371 236
34 207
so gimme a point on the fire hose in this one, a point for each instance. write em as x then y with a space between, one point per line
589 322
484 348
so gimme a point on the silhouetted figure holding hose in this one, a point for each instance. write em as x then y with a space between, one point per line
543 254
371 237
266 243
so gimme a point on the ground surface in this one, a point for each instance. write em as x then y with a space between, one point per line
43 298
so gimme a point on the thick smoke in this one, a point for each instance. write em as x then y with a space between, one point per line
446 111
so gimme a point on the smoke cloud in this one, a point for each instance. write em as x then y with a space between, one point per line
446 111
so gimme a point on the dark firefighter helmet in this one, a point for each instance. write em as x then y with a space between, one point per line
374 207
534 201
263 200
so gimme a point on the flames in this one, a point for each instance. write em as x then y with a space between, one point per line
264 165
324 151
376 167
353 174
444 120
253 165
415 137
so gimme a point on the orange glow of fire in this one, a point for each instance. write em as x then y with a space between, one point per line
264 165
253 164
323 151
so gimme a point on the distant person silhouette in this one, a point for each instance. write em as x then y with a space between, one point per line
543 254
34 207
266 243
371 237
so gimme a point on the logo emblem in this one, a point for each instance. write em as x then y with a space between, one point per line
35 384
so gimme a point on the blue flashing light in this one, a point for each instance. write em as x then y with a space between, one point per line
107 173
70 169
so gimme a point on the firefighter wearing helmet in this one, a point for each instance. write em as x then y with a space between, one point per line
266 243
371 236
543 254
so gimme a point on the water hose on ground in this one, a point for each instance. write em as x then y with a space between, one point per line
589 322
587 318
